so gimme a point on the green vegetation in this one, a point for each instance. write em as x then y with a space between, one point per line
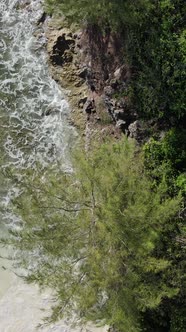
167 159
157 52
94 236
109 237
154 37
110 13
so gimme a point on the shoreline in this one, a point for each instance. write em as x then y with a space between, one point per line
70 65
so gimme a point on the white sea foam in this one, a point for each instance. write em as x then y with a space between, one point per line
34 105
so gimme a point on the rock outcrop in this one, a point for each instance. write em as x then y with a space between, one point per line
66 69
92 69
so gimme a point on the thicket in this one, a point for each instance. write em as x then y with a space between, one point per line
157 54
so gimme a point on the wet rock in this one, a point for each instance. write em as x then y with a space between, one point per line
22 4
50 111
47 112
42 19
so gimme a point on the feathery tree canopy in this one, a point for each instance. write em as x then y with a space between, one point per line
91 235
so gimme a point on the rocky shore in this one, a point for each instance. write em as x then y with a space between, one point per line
92 70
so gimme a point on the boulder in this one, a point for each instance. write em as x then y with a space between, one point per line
136 130
121 124
89 106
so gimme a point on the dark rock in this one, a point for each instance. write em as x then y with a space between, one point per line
105 76
114 83
92 88
70 35
57 60
118 114
121 124
89 106
62 44
83 73
77 35
50 111
82 101
47 112
62 50
98 118
108 90
42 19
68 56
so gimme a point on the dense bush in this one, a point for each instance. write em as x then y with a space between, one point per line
166 158
157 53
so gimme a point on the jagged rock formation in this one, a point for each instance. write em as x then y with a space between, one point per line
92 68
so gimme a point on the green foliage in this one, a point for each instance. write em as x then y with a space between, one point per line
92 235
104 236
104 13
178 320
157 52
166 158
